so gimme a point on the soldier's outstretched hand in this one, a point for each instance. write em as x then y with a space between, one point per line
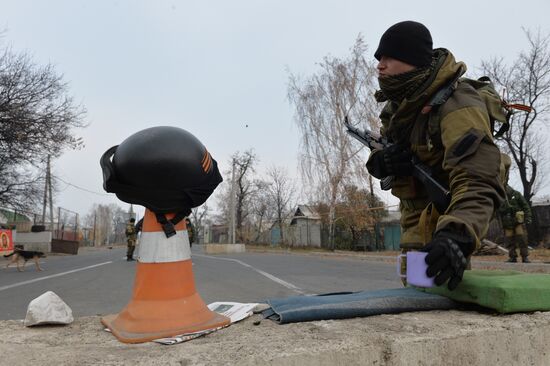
446 258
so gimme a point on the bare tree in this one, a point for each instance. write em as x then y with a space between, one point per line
198 218
261 209
329 159
280 192
20 187
120 218
526 81
37 117
359 210
110 222
244 189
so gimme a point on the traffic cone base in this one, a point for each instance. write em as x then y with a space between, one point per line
164 302
115 323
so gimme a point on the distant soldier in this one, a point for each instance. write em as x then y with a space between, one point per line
515 214
131 237
190 231
139 226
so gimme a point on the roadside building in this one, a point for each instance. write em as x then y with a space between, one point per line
541 213
388 231
305 228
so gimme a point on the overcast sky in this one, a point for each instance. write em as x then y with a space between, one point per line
214 67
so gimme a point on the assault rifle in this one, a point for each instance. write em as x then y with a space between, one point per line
438 194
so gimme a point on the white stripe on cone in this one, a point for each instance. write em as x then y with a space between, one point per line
155 247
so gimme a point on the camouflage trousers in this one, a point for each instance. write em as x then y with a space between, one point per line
516 237
131 248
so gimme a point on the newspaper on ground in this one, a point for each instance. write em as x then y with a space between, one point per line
235 311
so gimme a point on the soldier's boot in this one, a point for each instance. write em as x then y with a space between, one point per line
524 251
130 253
512 255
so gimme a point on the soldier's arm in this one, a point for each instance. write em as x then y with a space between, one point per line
526 209
139 226
472 161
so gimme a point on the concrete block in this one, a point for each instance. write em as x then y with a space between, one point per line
432 338
224 248
41 241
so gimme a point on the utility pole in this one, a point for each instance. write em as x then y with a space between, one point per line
95 217
45 202
232 204
48 192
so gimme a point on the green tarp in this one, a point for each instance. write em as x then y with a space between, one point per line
504 291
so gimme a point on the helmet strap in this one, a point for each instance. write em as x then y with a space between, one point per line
169 226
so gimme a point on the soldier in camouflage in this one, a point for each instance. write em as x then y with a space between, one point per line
514 214
190 231
454 138
131 238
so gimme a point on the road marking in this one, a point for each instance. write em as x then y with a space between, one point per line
52 276
265 274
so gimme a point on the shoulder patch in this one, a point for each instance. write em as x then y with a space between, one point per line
464 144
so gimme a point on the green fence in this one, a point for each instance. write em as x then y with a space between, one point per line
383 237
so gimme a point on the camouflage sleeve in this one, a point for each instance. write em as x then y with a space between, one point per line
385 116
139 226
472 161
526 209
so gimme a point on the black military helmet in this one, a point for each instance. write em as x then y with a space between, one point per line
165 169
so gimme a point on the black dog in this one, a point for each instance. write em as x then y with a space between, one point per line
26 255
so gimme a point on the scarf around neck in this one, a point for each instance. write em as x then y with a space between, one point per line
398 87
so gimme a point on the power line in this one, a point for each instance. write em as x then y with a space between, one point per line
81 188
69 183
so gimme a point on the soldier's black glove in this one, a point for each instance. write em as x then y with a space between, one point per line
394 160
446 258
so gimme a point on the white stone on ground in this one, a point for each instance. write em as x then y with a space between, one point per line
48 308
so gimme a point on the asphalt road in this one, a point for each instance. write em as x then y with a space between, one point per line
100 282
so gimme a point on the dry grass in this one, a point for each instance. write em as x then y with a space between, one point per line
538 254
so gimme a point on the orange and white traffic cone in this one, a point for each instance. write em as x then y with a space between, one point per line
164 302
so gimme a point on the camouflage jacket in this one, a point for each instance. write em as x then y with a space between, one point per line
190 231
131 232
460 151
514 203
